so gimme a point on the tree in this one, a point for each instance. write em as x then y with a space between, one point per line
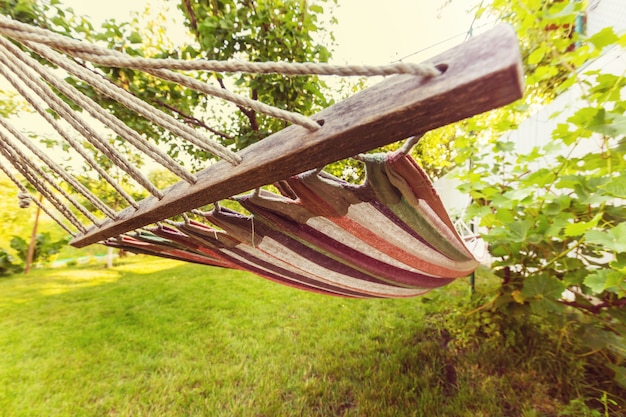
242 29
260 31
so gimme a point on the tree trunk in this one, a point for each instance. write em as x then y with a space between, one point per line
33 240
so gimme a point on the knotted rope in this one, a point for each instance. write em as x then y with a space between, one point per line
162 68
35 82
25 199
107 57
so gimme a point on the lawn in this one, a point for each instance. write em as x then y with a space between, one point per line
154 337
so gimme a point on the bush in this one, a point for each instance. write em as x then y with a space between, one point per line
7 267
45 248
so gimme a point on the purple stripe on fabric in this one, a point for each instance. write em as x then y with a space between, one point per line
389 214
350 256
299 278
184 240
205 235
320 258
266 269
134 247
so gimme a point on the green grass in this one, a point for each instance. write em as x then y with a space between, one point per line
154 337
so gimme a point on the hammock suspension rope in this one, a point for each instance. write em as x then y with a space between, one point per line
389 237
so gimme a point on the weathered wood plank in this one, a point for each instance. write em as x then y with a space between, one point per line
482 74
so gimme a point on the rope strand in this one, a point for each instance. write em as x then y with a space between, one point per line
69 115
23 190
104 117
108 57
43 189
56 168
28 166
162 68
122 96
38 85
77 146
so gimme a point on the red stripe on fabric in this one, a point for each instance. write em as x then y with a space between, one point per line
177 236
420 184
234 220
350 256
394 251
260 267
137 246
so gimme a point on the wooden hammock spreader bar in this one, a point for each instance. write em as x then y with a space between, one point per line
482 74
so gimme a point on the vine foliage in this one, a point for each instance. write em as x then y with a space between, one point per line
554 216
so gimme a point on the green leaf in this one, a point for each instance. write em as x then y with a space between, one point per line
518 231
543 72
568 11
616 186
541 177
577 229
536 56
587 116
596 338
603 279
613 239
609 124
542 286
619 264
620 374
603 38
615 282
134 37
545 306
504 215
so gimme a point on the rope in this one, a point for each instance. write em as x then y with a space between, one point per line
43 190
108 57
24 199
14 153
122 96
75 144
70 116
56 168
105 118
409 144
22 70
53 217
162 68
117 59
24 191
295 118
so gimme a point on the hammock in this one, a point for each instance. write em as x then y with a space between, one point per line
389 237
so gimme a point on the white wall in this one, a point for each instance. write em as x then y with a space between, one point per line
603 13
537 129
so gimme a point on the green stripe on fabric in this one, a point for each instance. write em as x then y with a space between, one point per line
418 222
397 199
377 178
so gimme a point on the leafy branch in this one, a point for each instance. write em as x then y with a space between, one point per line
191 120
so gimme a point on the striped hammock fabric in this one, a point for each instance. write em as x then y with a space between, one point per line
390 237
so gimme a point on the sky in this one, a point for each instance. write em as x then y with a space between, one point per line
368 32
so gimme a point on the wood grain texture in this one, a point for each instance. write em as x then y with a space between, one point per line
482 74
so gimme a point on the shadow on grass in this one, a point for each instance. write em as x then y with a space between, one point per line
156 337
22 288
